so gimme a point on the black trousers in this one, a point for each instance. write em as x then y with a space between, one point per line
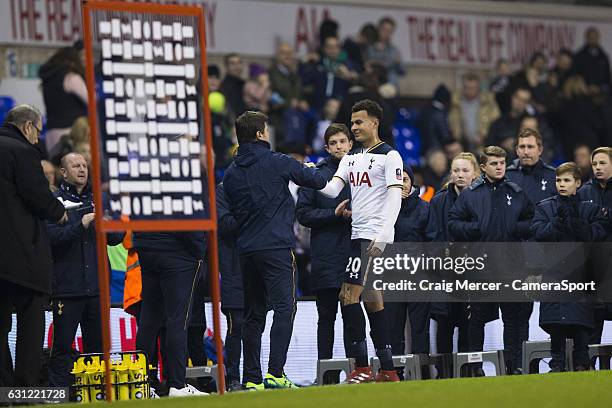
418 315
30 308
233 342
268 276
327 309
446 330
68 313
558 334
516 330
197 322
168 284
478 315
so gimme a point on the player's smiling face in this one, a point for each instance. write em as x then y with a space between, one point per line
363 126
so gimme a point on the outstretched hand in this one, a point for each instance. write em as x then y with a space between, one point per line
342 211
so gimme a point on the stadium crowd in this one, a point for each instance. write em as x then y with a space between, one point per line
488 140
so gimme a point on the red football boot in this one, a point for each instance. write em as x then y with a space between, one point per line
387 376
360 375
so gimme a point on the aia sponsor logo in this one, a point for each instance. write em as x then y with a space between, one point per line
358 179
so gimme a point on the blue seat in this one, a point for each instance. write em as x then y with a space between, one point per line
6 104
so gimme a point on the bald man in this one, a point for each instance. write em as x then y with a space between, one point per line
74 289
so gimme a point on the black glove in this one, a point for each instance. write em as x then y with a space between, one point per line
581 229
559 224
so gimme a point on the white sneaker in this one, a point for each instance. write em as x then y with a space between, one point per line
187 391
152 393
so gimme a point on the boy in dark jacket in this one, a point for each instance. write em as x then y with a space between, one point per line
493 209
330 239
74 289
564 218
257 191
412 225
599 191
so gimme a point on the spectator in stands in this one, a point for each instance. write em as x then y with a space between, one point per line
50 173
433 122
331 77
599 191
287 100
504 130
64 92
436 169
232 85
593 64
500 85
257 90
385 53
329 116
563 68
412 225
565 218
330 225
75 295
582 158
25 276
481 214
214 78
464 170
79 133
221 130
472 112
578 116
357 48
535 78
232 291
328 28
368 86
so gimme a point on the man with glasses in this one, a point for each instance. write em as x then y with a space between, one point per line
25 274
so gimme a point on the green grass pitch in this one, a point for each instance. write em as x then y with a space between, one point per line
578 390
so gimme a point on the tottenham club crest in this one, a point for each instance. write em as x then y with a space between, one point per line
509 198
544 182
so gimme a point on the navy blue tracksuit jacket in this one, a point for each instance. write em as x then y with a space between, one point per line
229 264
538 181
330 236
549 226
256 187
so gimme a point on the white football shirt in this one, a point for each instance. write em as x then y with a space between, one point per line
369 173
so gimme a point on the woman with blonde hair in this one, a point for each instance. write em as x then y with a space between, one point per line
464 170
79 135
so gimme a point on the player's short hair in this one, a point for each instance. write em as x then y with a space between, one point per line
248 124
334 129
529 132
604 150
493 151
372 108
569 167
387 20
21 114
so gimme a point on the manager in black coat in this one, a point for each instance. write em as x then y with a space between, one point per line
25 258
564 218
330 239
257 190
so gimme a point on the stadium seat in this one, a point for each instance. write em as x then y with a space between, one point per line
534 351
600 350
333 365
6 104
443 363
496 357
410 362
204 372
